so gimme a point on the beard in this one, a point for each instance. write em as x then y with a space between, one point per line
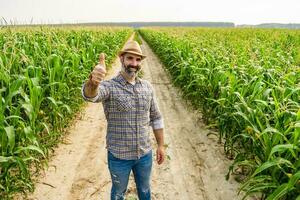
130 70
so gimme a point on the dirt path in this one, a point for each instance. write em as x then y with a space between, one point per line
195 170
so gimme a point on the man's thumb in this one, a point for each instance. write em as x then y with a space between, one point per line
102 59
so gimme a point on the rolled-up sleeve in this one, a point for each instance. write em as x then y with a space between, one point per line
102 94
156 119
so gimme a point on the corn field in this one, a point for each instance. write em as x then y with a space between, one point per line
42 70
246 82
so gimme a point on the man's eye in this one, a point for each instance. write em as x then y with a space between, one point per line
138 59
129 58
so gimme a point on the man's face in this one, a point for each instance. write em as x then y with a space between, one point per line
131 61
131 64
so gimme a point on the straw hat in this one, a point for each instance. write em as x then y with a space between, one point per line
132 47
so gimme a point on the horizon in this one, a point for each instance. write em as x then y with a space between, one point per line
5 22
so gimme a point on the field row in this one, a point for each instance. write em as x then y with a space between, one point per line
246 83
42 70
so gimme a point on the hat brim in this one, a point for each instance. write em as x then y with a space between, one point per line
132 52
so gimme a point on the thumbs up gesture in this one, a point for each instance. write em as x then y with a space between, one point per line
99 71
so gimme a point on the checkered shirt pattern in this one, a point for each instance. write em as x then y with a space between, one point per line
130 110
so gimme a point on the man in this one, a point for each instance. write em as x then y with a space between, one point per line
130 108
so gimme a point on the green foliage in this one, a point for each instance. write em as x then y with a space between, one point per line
42 70
246 83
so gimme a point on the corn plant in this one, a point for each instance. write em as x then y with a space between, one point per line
246 83
42 70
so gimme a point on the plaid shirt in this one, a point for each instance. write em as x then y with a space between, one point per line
130 110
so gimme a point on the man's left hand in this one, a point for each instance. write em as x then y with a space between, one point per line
160 155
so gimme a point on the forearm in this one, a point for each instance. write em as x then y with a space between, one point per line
159 136
90 89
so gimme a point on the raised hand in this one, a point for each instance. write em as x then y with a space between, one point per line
99 71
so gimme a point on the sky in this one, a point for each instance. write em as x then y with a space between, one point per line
82 11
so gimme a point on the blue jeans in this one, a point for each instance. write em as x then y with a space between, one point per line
120 170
